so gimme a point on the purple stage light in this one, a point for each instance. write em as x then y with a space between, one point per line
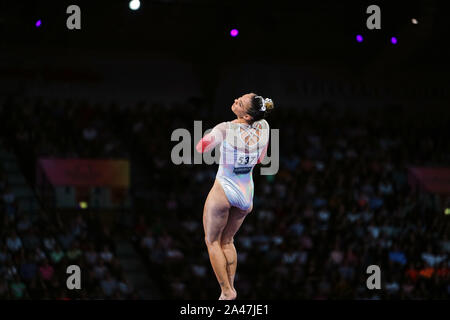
234 32
38 23
394 40
359 38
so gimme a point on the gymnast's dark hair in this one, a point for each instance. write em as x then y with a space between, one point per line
257 103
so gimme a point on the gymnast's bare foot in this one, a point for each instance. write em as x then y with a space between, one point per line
228 295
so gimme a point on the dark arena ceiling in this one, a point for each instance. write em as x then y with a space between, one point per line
199 29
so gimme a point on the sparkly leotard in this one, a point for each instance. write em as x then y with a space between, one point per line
242 147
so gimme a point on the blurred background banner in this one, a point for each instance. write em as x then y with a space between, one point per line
86 172
83 183
435 180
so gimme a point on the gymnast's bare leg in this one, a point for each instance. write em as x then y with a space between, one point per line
235 219
215 218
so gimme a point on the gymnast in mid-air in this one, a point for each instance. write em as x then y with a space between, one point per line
243 144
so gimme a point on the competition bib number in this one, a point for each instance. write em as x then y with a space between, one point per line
245 162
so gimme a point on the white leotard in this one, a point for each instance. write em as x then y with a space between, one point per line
242 146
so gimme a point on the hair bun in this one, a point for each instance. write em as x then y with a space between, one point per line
268 103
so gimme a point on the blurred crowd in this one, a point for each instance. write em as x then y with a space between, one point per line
339 203
36 250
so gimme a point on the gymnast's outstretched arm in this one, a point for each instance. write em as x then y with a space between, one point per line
212 139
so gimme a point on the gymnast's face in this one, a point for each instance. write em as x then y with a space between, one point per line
241 106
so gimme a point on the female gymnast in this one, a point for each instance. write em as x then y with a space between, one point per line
244 143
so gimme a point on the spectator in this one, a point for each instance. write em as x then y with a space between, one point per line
28 269
66 238
4 255
109 285
57 255
106 255
100 269
39 255
46 271
9 200
148 241
49 243
74 253
124 287
91 255
432 259
14 243
18 288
